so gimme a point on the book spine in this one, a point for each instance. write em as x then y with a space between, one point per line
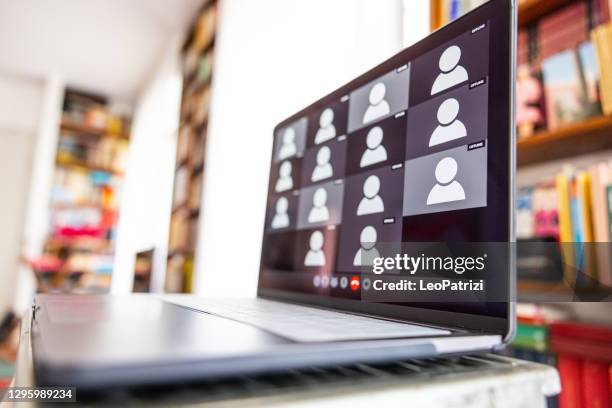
569 371
595 392
602 38
565 227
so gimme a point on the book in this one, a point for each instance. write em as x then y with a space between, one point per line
546 216
595 390
585 235
589 77
524 213
529 102
571 381
602 39
565 225
600 179
600 12
565 94
531 337
563 29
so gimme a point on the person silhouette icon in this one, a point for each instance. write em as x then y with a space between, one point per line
319 211
281 218
447 189
371 203
367 251
285 181
378 107
449 127
323 169
327 130
288 147
452 73
375 152
315 255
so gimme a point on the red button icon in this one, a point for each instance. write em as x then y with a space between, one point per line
355 283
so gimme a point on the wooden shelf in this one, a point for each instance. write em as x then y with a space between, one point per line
546 291
531 10
87 167
78 206
179 207
79 128
180 251
589 136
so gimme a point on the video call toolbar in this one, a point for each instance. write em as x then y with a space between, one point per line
411 142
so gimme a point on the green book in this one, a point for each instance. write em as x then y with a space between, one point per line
531 337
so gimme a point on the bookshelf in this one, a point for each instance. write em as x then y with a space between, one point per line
68 125
530 11
570 140
84 204
197 61
588 136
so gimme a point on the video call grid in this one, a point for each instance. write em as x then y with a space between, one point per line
331 173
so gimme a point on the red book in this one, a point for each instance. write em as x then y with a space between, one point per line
571 14
582 331
595 385
569 371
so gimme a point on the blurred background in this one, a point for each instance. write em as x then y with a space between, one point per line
135 138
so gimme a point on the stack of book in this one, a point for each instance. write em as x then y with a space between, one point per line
90 161
574 208
562 60
581 352
584 361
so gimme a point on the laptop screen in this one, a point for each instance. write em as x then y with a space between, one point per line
416 150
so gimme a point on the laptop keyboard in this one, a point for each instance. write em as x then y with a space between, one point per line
304 324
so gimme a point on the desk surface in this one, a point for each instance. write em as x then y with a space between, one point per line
468 381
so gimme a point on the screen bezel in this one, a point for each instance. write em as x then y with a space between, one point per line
504 12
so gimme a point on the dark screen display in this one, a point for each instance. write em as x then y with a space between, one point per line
416 150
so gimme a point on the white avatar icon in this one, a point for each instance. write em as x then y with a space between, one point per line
452 73
371 203
281 218
447 188
333 281
449 127
323 169
285 181
343 282
315 255
288 147
319 211
367 252
327 130
375 152
379 107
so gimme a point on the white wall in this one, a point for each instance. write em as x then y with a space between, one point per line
417 22
147 189
272 58
20 109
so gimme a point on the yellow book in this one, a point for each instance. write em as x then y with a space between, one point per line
565 218
602 39
583 192
562 182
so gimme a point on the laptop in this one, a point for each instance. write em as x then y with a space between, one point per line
389 220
